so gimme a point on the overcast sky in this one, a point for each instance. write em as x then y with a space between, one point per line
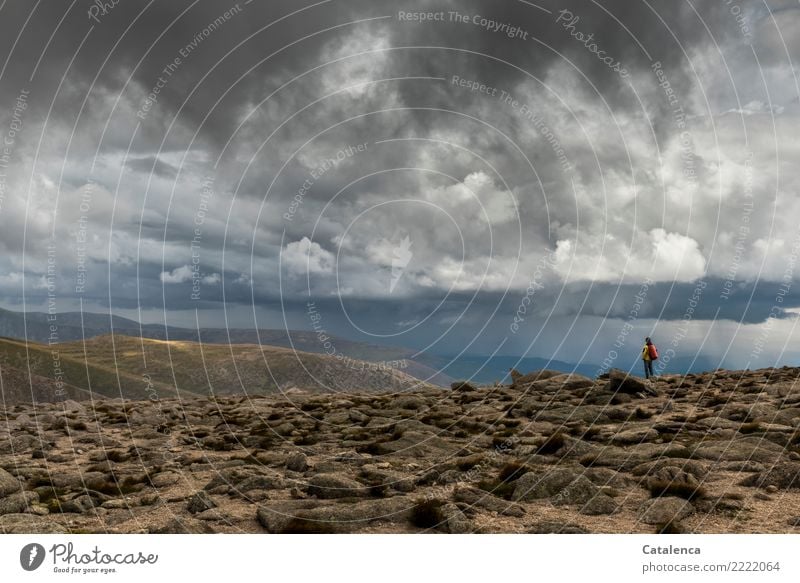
424 172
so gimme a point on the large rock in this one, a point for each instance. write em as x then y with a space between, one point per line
18 502
621 382
600 504
696 468
740 449
297 462
666 510
570 381
782 476
30 524
486 501
631 436
537 375
553 527
578 491
8 483
327 486
246 478
582 492
183 526
535 486
420 444
455 520
306 516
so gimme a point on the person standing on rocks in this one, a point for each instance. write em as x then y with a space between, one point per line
649 354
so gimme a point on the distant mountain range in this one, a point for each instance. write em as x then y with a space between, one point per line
72 328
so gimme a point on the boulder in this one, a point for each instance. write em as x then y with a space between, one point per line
783 476
328 486
622 382
537 375
31 524
484 500
666 510
600 504
306 516
8 483
579 491
18 502
554 527
455 520
297 462
183 526
535 486
631 436
584 493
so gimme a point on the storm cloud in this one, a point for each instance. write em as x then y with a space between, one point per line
421 170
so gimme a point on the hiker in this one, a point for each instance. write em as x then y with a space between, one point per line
649 354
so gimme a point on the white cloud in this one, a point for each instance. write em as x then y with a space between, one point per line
180 274
306 256
657 255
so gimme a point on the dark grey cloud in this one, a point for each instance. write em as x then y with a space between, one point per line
177 137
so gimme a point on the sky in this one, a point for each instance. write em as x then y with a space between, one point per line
556 179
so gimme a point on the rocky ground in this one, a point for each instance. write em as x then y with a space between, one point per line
552 453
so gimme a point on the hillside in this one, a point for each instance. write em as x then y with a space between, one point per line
73 326
17 386
551 453
135 368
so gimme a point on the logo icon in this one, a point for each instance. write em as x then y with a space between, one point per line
31 556
401 257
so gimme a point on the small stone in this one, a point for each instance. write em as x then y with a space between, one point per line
164 479
200 502
771 489
297 462
456 522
